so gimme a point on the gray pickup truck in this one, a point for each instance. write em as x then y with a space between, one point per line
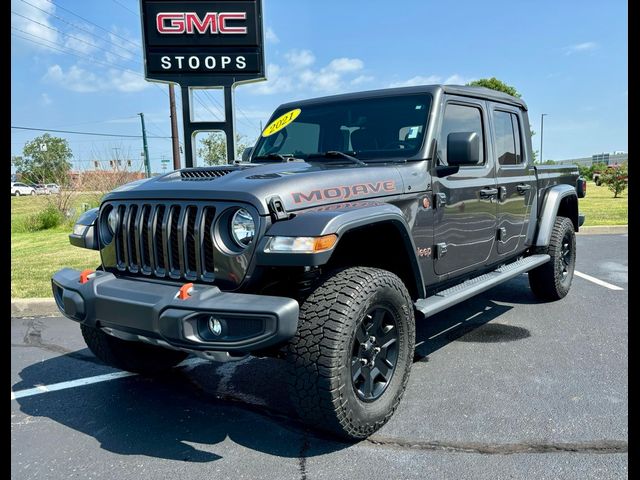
353 216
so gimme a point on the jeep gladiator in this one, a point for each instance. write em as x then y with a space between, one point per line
352 217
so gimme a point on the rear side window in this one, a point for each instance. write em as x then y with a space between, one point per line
460 118
508 142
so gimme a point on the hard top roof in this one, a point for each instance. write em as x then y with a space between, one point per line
462 90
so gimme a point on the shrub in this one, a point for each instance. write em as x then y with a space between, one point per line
616 179
48 218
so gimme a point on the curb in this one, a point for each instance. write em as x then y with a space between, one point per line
604 229
34 307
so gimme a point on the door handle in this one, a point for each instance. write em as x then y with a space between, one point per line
523 188
488 192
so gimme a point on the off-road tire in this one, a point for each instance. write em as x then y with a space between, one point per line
548 281
320 354
130 356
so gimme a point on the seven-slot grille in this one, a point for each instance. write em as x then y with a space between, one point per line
165 240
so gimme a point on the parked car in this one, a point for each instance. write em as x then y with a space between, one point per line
18 188
41 189
53 188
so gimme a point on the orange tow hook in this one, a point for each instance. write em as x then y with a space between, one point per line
185 291
85 274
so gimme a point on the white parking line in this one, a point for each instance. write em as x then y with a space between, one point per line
597 281
37 390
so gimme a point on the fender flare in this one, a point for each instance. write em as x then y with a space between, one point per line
339 219
550 206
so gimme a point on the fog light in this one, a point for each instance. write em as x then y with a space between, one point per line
215 326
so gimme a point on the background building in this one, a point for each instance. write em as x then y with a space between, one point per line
614 158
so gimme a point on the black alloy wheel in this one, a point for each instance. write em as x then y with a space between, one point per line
374 353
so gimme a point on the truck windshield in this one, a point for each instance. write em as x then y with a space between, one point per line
369 129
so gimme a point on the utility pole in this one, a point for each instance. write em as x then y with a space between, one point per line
541 133
147 166
174 128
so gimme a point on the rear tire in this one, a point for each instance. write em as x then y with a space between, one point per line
17 193
33 192
552 280
130 356
351 356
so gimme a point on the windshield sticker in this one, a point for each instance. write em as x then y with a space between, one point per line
281 122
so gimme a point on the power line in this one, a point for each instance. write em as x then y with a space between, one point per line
70 51
124 6
84 29
81 133
67 35
88 21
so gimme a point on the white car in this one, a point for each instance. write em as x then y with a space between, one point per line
18 188
53 187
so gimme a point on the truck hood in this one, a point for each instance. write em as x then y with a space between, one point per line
299 185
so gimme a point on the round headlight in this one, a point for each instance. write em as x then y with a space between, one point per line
243 228
112 220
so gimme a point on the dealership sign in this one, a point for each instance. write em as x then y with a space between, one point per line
203 43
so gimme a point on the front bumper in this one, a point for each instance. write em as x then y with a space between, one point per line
151 311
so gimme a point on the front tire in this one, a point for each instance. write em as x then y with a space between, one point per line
17 193
130 356
351 356
552 280
33 192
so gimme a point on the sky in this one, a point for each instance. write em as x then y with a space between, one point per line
77 65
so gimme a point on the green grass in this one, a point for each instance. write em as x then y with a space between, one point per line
36 256
601 208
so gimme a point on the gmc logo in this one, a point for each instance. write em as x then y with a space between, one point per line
190 22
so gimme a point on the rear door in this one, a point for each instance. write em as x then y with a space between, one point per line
465 220
515 177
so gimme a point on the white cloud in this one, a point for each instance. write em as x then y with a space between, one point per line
79 80
580 48
300 58
362 79
299 74
345 65
271 36
454 79
277 83
46 99
81 42
42 29
417 80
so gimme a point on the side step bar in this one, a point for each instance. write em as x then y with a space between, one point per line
469 288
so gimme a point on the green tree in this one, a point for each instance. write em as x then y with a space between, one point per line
616 179
45 160
494 84
213 148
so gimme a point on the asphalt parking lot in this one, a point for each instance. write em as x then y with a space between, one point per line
503 386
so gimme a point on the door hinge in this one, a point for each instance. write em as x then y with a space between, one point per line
441 250
502 193
440 200
277 210
502 234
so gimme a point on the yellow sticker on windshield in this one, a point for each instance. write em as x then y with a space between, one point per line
281 122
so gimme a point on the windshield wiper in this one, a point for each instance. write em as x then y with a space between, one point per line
336 154
276 156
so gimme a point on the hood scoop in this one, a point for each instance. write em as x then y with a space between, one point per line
205 173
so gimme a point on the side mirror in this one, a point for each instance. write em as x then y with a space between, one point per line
463 148
246 154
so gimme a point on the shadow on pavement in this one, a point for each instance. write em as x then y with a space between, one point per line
245 401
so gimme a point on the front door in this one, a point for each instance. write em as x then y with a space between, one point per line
466 201
515 178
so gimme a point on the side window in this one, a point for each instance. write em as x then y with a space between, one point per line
460 118
508 142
